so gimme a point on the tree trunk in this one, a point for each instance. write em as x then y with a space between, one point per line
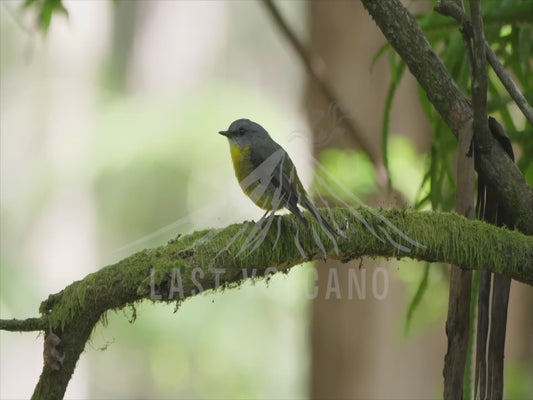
357 345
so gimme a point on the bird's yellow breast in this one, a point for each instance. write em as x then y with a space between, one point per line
262 193
241 161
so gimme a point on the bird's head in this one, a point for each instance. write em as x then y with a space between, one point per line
244 132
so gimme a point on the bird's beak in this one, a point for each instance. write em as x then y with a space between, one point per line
225 133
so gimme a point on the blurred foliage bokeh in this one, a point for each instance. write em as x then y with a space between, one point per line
149 165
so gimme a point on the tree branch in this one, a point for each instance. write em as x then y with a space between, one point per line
317 71
23 325
403 33
209 259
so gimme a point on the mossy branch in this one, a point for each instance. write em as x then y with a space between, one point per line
210 259
23 325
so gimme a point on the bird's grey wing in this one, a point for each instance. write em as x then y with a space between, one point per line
278 172
292 191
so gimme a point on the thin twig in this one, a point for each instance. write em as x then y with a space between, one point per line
509 84
316 69
452 9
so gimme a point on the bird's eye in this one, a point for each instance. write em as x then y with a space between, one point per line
241 131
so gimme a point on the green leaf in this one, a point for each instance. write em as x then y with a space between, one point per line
46 17
382 50
46 10
60 9
524 51
454 53
397 70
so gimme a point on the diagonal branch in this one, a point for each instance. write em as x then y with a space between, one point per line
316 69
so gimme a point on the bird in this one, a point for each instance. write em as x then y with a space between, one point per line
267 174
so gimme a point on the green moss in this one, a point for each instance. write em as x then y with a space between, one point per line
430 236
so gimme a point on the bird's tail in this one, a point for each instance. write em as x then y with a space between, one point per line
308 204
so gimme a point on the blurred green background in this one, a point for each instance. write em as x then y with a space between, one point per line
109 145
107 152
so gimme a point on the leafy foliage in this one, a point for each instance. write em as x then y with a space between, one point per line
46 9
508 30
